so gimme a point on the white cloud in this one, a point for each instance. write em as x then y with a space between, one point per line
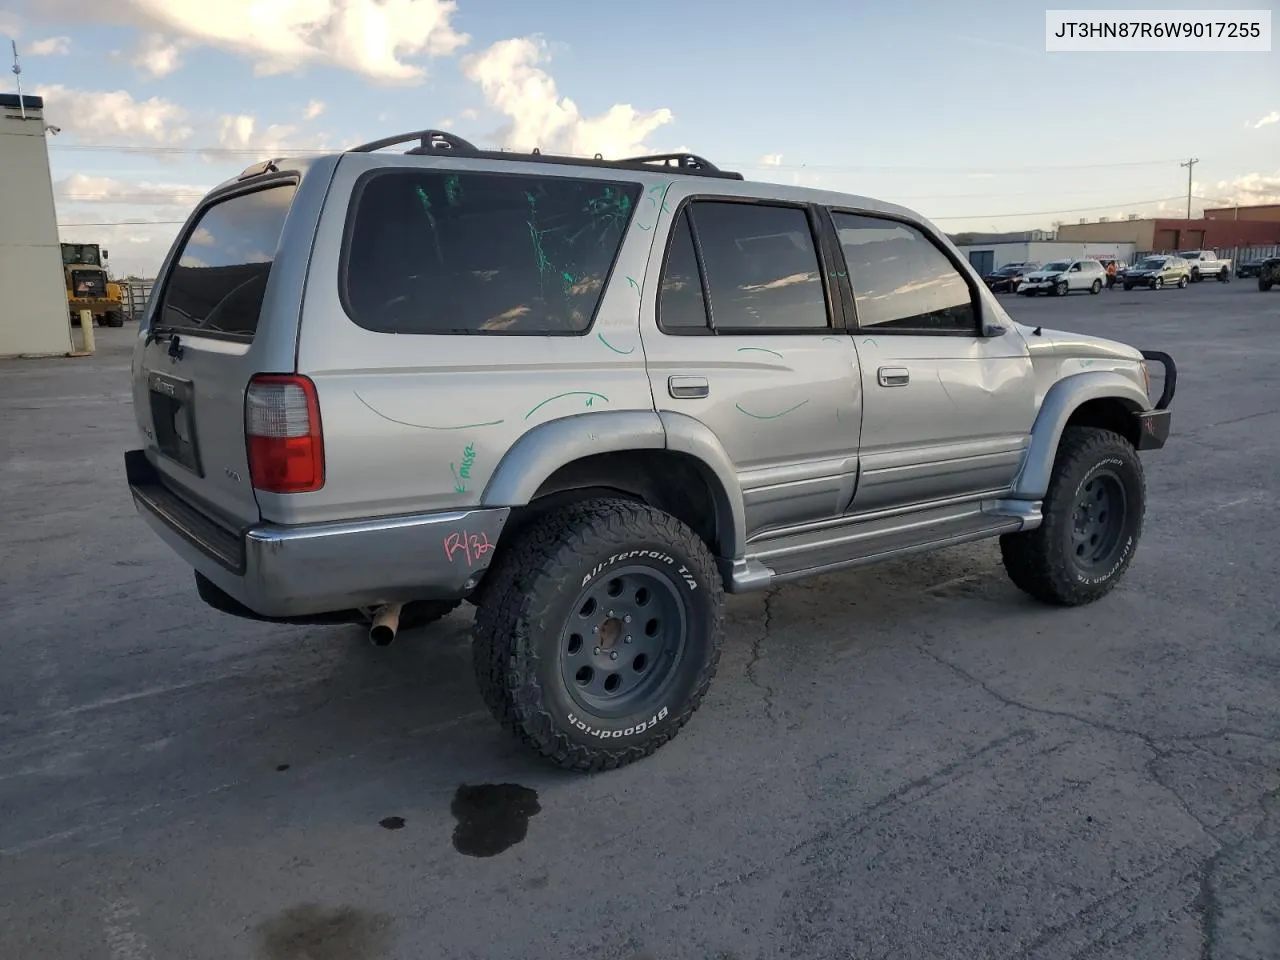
314 109
81 188
9 26
771 160
445 124
1248 190
1272 117
157 55
469 114
59 46
114 116
512 82
374 38
242 132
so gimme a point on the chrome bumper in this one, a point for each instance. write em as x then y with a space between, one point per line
296 571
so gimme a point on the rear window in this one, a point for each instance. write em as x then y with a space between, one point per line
221 275
440 252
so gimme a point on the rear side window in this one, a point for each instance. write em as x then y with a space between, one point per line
439 252
681 304
221 274
901 281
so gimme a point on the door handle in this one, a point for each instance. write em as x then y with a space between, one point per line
684 388
893 376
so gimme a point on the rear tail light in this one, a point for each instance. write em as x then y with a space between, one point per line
282 427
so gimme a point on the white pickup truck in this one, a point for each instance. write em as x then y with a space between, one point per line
1205 263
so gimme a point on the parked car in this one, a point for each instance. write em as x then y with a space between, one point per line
1007 278
1157 272
372 385
1269 274
1205 264
1062 276
1250 268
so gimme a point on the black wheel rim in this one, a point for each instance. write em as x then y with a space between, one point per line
1096 535
623 641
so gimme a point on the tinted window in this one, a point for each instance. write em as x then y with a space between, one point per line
681 305
221 276
901 281
444 252
761 267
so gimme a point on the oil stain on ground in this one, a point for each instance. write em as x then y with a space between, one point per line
492 817
311 932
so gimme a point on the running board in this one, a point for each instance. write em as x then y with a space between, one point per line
866 539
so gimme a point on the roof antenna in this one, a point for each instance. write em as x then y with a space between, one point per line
17 72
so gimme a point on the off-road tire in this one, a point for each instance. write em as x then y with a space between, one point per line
113 319
421 613
1038 561
530 595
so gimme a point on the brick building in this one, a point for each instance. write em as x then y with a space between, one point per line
1264 211
1214 233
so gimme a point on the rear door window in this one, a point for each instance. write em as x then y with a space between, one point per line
221 275
443 252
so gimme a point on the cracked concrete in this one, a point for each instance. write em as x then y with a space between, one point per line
904 761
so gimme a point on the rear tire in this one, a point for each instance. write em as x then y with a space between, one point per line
1097 287
113 319
1264 285
566 599
1093 517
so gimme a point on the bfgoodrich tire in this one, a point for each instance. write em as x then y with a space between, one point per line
599 633
1093 516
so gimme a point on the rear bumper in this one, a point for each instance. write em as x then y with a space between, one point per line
95 305
284 572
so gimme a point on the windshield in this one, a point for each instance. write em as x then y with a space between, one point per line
1154 263
1057 266
80 253
1008 271
1190 254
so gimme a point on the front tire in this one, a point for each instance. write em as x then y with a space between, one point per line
1061 289
1157 283
1093 517
599 633
1224 277
1128 286
1182 283
1195 274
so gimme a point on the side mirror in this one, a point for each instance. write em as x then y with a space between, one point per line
105 255
990 330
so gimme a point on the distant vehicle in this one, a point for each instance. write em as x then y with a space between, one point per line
1269 275
1205 263
1062 276
1006 278
1250 268
1157 272
88 287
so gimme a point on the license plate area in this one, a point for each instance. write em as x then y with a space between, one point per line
173 419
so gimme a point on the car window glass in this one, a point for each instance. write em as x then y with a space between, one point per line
761 266
901 281
681 305
220 278
436 251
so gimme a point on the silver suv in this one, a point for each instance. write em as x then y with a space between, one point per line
589 397
1062 276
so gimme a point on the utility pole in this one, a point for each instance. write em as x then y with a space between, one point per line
1189 164
17 72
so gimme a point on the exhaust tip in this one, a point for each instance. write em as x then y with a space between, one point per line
385 624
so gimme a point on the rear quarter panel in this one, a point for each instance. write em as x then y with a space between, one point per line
418 423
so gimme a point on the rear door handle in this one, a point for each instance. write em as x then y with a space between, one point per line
684 388
893 376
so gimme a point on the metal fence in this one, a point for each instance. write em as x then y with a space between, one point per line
135 293
1236 255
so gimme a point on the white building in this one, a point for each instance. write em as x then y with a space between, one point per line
986 257
33 299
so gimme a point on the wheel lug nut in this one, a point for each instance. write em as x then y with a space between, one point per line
613 655
597 651
627 618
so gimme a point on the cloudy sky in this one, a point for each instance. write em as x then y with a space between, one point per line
954 109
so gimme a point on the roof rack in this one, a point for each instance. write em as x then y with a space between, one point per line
438 141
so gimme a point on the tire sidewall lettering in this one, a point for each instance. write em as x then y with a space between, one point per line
605 733
1122 470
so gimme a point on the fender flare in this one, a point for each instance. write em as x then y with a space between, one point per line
544 449
1060 402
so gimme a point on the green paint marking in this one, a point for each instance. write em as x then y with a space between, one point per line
426 426
761 350
453 190
600 337
590 394
771 416
632 281
643 227
832 340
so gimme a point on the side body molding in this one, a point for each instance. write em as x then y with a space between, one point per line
549 446
1063 399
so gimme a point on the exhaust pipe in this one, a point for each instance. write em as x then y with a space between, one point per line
385 624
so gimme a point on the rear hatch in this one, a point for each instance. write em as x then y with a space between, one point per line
191 372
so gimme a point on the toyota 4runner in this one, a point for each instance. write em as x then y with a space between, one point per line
589 397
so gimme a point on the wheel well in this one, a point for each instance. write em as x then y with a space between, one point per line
1107 413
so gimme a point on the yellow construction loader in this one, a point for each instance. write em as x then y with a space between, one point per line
88 287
